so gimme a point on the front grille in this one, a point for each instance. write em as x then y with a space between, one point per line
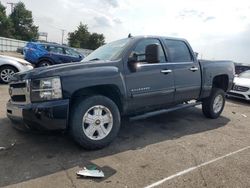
19 91
237 95
18 85
240 88
18 98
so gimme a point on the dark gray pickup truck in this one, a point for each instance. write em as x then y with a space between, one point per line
134 77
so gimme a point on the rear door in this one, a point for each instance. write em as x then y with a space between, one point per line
57 54
152 84
187 73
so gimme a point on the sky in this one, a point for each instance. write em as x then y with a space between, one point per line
216 29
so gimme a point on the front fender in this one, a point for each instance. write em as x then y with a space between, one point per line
95 76
16 64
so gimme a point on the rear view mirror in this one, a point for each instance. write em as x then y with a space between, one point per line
152 53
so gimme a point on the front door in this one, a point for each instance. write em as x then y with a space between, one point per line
151 84
187 73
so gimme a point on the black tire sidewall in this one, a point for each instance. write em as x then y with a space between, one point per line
80 108
210 102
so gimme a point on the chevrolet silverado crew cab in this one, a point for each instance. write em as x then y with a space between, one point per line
134 77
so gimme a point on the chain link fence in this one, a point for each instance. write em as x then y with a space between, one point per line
10 45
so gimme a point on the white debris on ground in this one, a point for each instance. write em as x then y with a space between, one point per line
95 173
244 115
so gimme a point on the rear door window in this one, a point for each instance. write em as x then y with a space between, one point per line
55 49
178 51
71 52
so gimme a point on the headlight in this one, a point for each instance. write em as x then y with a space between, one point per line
25 63
46 89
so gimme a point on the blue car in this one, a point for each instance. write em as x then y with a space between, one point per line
46 54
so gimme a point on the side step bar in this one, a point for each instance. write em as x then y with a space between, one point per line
158 112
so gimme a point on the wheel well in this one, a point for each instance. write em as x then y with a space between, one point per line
110 91
45 59
221 82
6 65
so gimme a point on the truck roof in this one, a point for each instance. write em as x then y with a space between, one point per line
156 36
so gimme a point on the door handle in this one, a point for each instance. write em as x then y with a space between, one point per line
194 69
166 71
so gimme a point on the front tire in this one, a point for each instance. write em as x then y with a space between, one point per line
6 72
213 106
95 122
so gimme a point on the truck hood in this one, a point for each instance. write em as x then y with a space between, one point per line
61 69
242 81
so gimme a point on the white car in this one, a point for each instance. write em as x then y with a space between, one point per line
11 65
241 88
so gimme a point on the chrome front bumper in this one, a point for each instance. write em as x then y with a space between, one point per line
50 115
14 112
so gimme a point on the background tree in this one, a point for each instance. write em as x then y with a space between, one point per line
6 29
95 40
23 26
79 38
82 38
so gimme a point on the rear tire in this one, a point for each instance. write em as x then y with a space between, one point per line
6 72
44 63
95 122
213 106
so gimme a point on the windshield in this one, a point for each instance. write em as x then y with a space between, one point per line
110 51
245 74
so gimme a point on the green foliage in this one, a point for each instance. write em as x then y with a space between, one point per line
6 28
23 26
79 38
82 38
96 40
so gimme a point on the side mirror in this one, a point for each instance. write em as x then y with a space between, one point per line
152 53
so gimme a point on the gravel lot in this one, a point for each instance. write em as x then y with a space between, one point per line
146 151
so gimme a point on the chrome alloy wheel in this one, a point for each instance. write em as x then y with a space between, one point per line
6 74
218 104
97 122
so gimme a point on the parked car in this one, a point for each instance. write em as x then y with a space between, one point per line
20 50
241 88
10 65
136 77
46 54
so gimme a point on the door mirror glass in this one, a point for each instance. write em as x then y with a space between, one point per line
152 53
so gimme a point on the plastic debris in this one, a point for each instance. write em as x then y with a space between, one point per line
2 148
90 172
244 115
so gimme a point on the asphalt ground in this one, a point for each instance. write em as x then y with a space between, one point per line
178 149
